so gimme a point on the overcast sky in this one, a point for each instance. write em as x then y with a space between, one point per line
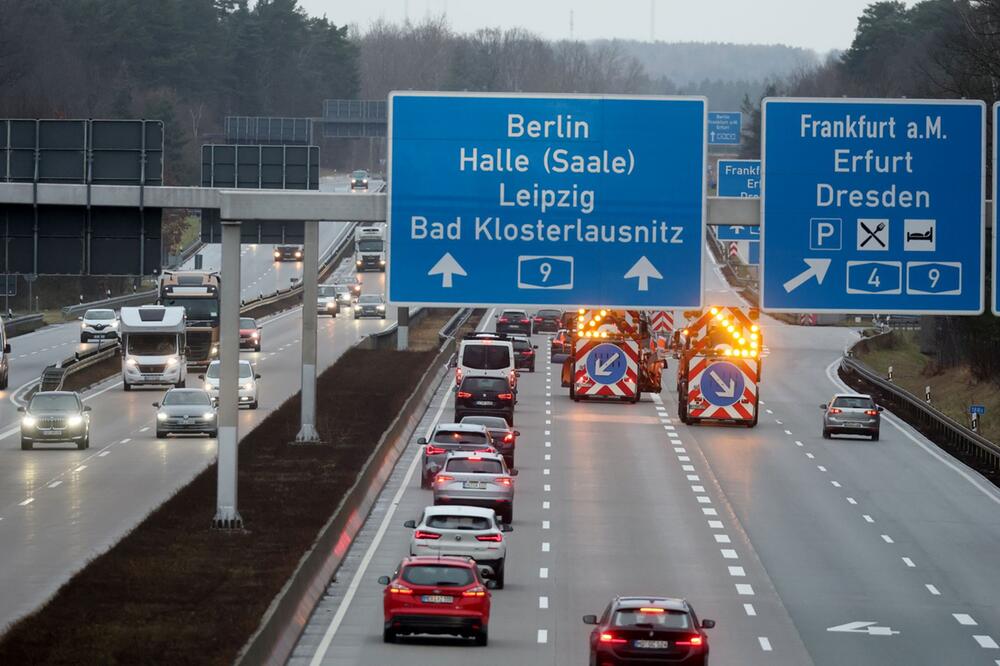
817 24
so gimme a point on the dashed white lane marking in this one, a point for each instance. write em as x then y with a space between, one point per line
722 538
545 524
851 500
547 488
887 538
821 468
548 456
546 505
548 445
964 619
737 572
684 458
126 440
835 484
933 590
687 468
693 477
543 602
543 636
26 502
546 547
704 500
765 644
729 554
697 489
680 449
548 433
709 511
715 524
55 484
744 589
868 519
144 429
543 572
103 453
750 610
769 411
546 471
676 442
798 443
810 456
987 642
788 432
908 562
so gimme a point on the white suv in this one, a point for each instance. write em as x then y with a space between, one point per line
247 383
99 324
463 531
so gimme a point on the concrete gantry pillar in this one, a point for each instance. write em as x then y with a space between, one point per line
310 278
227 515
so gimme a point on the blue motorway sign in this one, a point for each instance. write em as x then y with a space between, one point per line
534 200
739 178
852 195
606 364
724 128
736 232
722 384
978 410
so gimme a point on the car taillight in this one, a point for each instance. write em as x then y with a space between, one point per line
503 320
484 451
834 410
463 394
694 641
443 478
528 352
490 537
538 318
503 396
399 589
458 375
420 534
477 591
611 638
871 412
509 437
524 321
505 480
434 450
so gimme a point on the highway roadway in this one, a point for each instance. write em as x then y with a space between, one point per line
806 551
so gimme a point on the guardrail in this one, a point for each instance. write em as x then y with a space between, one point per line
22 324
946 432
54 376
135 298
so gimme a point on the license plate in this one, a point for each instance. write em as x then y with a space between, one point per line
854 425
485 403
474 485
437 599
54 431
651 645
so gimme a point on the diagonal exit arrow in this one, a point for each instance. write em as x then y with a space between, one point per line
869 628
601 369
817 268
729 391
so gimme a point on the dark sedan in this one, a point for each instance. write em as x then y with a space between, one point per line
546 321
524 353
504 436
514 321
486 396
648 630
186 411
55 416
288 253
370 305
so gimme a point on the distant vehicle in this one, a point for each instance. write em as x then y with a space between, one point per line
504 437
462 531
55 416
153 349
477 479
359 180
198 293
250 334
514 321
485 396
561 346
98 324
851 414
348 289
524 353
4 357
446 438
648 630
288 253
369 248
436 595
247 383
485 354
370 305
546 321
186 411
326 300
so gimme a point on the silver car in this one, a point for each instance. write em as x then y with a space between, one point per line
448 438
477 479
851 414
462 531
186 411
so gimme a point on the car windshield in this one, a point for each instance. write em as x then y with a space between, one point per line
658 617
370 299
460 437
549 314
187 398
99 315
152 344
485 384
437 576
854 403
196 308
247 322
513 314
359 174
474 466
486 356
246 370
459 522
370 245
488 421
43 402
326 290
521 345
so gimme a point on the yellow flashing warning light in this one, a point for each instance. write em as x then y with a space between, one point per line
728 352
743 341
604 334
581 311
686 332
592 322
730 328
715 311
753 336
718 317
755 328
604 313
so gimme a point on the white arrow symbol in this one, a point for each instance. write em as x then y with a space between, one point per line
712 136
644 270
446 267
817 268
737 229
863 628
601 369
729 392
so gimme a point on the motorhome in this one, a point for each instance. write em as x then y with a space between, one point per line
153 346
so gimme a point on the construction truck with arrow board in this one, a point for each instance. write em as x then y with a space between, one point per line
719 366
611 357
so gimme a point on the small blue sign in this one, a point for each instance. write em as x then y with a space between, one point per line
873 206
606 364
977 409
724 128
735 232
754 254
722 384
739 178
560 201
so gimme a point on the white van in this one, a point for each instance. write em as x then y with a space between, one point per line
486 355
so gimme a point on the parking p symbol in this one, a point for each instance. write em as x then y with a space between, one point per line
825 233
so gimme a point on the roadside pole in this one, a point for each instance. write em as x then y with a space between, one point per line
310 278
226 514
402 328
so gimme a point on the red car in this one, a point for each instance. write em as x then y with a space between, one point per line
648 630
436 595
249 334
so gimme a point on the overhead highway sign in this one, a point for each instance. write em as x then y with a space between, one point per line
725 128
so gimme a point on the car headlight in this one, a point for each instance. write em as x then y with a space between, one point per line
380 307
161 416
246 387
255 334
208 416
113 324
172 361
277 255
131 362
329 304
215 350
382 261
75 421
28 421
298 254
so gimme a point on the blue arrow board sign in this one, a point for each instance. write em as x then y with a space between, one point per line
725 128
556 200
606 364
739 178
736 232
722 384
873 206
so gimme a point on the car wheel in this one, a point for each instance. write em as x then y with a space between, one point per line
213 434
507 515
425 482
483 637
160 434
26 445
181 383
126 386
388 635
499 579
5 381
826 434
83 338
875 436
84 443
253 405
257 348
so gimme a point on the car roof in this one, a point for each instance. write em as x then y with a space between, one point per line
111 310
187 390
243 361
462 427
852 395
475 454
669 603
449 560
459 510
483 425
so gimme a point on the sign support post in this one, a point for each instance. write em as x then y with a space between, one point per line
310 277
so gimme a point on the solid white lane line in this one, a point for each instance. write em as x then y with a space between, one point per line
55 484
543 636
543 572
765 644
729 554
744 589
933 590
543 602
26 502
887 538
851 500
908 562
964 619
750 610
868 519
737 572
986 642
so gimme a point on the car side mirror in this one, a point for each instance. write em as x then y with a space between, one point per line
412 524
506 528
20 409
256 376
880 409
708 624
513 472
156 404
517 433
202 377
590 619
823 406
422 441
6 348
88 408
383 580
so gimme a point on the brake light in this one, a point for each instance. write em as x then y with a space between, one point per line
443 478
434 450
871 412
611 638
528 352
651 611
503 320
399 589
509 437
475 458
503 396
694 641
524 321
463 394
538 318
834 410
477 591
490 537
420 534
505 481
484 451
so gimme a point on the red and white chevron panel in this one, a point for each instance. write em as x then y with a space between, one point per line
585 386
741 410
661 321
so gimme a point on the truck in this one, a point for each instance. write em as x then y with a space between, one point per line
153 346
719 366
612 356
198 293
369 247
